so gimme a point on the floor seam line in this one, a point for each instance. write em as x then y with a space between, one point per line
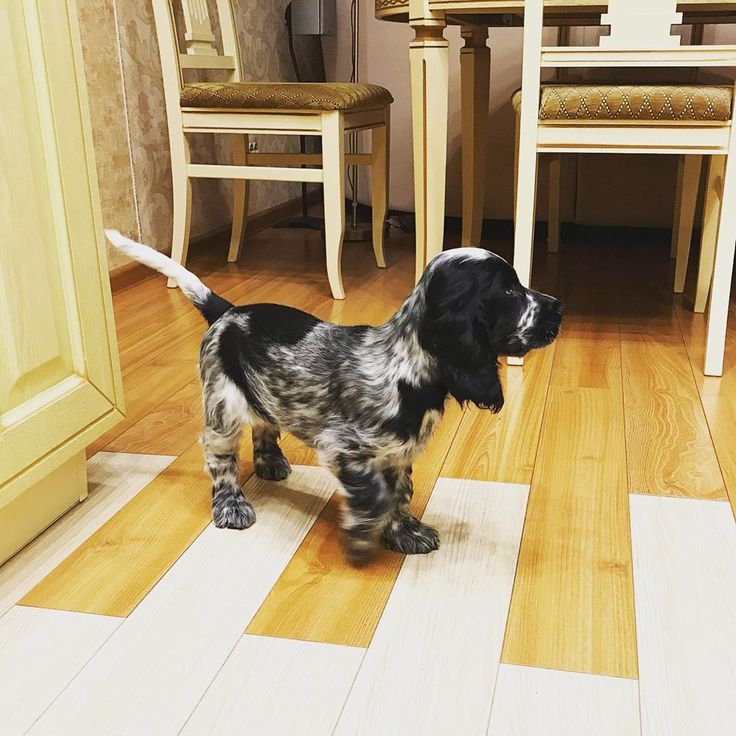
702 406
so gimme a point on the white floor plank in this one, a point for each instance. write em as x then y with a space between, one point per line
151 673
532 701
277 686
40 652
432 664
685 594
113 479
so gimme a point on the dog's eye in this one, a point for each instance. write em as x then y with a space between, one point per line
511 292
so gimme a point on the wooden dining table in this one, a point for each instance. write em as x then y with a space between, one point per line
429 63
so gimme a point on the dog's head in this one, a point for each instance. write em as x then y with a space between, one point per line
476 311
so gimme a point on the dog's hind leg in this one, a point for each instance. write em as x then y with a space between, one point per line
269 461
223 421
404 533
366 509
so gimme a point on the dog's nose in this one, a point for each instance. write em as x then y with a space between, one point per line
554 306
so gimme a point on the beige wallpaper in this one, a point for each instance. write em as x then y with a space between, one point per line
129 120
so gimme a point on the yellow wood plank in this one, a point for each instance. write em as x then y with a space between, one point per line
172 427
112 571
145 389
115 568
501 447
572 606
669 448
112 479
588 355
320 597
720 412
167 430
717 395
693 329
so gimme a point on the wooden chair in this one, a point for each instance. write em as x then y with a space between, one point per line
640 36
239 109
688 175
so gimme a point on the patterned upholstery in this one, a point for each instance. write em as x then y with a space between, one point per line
386 4
285 96
633 102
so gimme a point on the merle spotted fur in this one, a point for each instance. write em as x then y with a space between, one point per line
367 399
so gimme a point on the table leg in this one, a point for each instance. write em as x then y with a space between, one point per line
429 59
475 76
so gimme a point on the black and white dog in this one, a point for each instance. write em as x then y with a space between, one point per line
365 398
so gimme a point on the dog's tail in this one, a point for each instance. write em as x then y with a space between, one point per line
204 299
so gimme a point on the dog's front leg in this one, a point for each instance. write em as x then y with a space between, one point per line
367 503
404 533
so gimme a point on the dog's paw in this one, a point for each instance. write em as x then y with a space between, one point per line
359 551
234 513
410 537
272 467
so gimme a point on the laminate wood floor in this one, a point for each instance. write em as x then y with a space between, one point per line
585 583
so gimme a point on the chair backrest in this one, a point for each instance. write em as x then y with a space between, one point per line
200 51
640 36
640 24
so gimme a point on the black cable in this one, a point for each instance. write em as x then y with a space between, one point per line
352 170
292 50
299 78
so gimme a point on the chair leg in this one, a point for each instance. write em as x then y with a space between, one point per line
239 145
475 71
710 231
678 205
528 131
381 140
182 201
683 235
553 218
333 166
524 222
722 271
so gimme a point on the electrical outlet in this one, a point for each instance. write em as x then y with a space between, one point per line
253 147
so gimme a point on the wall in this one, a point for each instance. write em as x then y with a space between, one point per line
129 121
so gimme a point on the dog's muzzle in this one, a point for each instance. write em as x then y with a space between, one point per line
547 323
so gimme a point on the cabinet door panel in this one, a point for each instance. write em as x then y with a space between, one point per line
59 372
38 342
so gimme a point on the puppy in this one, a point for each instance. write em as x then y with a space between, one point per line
367 399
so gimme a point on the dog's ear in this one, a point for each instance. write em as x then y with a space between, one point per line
456 329
481 386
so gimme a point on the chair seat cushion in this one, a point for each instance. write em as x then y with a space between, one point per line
285 96
633 102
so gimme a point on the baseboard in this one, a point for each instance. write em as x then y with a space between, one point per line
132 273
